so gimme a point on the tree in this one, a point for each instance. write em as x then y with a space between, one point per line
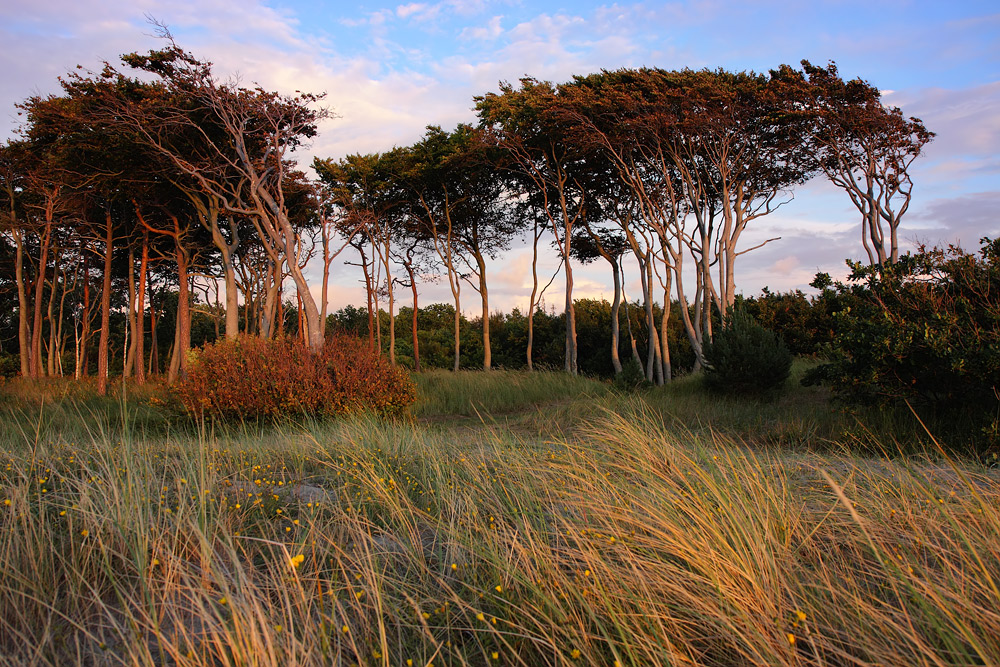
866 149
550 170
231 141
361 187
723 148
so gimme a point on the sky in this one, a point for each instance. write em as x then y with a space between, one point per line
391 69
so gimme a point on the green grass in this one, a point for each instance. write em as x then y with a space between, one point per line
443 393
645 529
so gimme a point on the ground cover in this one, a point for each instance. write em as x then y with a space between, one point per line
544 521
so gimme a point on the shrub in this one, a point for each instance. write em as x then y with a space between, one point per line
746 358
255 378
632 376
925 330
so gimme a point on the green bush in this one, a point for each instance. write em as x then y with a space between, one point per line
632 376
746 358
925 330
253 378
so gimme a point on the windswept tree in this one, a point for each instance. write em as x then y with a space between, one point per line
361 187
13 182
452 182
865 148
549 170
455 205
718 147
231 142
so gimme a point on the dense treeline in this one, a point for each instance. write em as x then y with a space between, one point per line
141 185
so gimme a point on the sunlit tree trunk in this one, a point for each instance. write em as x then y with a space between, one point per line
102 345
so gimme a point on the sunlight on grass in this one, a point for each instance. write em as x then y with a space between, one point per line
629 539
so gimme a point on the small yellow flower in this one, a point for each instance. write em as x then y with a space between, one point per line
480 616
575 653
791 639
495 655
85 532
345 629
223 600
499 589
801 615
297 560
454 566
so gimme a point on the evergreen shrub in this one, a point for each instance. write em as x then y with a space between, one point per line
746 358
924 331
254 378
632 376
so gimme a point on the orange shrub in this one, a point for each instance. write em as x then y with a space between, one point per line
252 377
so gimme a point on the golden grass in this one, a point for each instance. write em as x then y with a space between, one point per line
629 541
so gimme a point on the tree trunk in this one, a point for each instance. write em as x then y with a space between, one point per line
484 293
102 346
392 306
154 345
81 361
232 297
35 355
571 366
140 320
182 333
52 348
534 294
129 366
615 305
668 373
22 300
416 341
61 336
654 336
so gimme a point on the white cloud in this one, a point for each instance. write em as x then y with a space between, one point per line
488 33
406 11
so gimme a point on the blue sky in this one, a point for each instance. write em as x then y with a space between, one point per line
389 69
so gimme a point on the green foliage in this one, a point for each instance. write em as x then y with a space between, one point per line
804 323
10 365
925 330
746 358
632 376
252 378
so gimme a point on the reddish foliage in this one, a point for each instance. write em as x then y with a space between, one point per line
252 377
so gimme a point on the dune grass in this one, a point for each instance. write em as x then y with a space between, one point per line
620 537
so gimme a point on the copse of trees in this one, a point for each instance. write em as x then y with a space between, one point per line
148 181
924 330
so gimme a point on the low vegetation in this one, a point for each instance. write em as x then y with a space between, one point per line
664 526
259 378
746 358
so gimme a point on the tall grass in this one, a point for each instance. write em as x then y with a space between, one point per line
627 540
445 393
